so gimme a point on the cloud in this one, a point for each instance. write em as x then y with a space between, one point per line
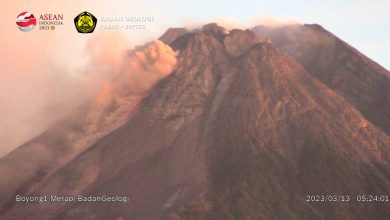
270 21
131 79
43 74
110 75
145 66
34 99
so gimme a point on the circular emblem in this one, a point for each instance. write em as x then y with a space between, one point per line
85 22
26 21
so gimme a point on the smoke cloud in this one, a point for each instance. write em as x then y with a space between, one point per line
230 23
34 97
269 21
111 78
134 75
43 75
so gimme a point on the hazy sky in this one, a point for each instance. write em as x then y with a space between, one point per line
365 24
42 70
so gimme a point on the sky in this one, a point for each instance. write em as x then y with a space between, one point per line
42 70
362 23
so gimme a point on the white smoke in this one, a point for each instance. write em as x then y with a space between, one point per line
269 21
132 78
113 78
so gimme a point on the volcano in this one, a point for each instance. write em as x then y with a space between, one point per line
241 129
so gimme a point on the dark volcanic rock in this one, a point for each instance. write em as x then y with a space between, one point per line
214 30
238 42
172 34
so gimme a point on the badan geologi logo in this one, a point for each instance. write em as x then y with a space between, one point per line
85 22
26 21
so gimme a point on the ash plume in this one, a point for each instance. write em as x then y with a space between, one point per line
111 77
138 71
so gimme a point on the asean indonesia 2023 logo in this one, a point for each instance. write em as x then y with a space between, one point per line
26 21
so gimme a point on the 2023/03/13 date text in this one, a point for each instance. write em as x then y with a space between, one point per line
347 198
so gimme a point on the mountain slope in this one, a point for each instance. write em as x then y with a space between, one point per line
37 159
228 135
361 81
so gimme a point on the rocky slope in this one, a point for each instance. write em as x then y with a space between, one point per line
361 81
172 34
37 159
239 130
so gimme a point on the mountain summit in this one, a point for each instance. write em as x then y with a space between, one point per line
238 130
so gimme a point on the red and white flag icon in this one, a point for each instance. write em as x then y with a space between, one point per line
26 21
